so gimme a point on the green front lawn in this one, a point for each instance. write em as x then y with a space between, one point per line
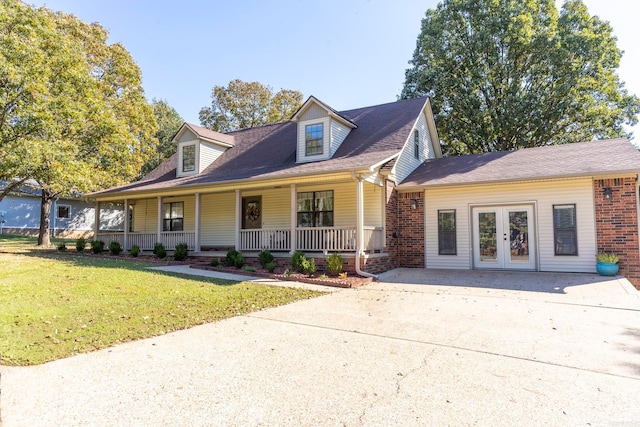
55 305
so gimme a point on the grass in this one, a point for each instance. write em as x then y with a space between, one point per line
55 305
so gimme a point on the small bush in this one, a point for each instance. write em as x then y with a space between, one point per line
324 276
239 260
342 275
288 272
134 251
62 247
215 262
270 266
296 260
159 251
249 269
81 243
97 246
231 257
115 248
334 264
265 257
308 266
180 252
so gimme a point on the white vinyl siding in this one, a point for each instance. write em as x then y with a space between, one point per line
543 195
314 112
407 161
338 134
145 214
218 219
208 154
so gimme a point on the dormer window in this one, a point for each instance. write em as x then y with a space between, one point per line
416 144
314 141
188 158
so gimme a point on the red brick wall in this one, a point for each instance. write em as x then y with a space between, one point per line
617 224
392 224
410 242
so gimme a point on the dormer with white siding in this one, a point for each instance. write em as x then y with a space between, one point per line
198 147
423 143
321 130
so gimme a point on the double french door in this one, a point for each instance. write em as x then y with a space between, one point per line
504 237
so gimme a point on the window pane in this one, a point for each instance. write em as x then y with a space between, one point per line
565 230
166 225
189 158
305 219
166 207
176 224
324 200
447 232
324 219
305 202
313 139
177 210
63 211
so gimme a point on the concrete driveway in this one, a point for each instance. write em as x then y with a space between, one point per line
440 348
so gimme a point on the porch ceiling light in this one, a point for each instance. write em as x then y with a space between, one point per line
607 192
414 204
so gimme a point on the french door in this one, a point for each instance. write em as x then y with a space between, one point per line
503 237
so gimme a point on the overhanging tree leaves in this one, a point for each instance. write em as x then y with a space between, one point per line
511 74
243 105
72 110
169 122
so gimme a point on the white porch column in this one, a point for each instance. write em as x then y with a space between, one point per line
126 225
360 215
294 219
96 223
159 219
238 218
197 242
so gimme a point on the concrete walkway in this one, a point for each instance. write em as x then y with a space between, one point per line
500 350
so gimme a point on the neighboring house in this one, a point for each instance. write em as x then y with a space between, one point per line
70 217
371 184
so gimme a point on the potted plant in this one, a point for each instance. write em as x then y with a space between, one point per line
607 264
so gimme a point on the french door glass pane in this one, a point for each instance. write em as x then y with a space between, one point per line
488 243
519 236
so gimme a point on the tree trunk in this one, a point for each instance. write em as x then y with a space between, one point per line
45 214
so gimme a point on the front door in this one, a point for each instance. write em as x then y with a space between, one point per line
504 237
251 212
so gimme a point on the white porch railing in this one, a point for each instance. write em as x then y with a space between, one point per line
326 239
257 239
146 241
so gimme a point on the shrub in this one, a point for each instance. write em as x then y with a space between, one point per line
81 243
288 272
215 262
97 246
324 276
342 275
334 264
115 248
180 252
265 257
308 266
611 258
270 266
239 260
231 257
296 260
134 251
62 247
159 251
249 269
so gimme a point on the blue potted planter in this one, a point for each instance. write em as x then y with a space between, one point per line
607 268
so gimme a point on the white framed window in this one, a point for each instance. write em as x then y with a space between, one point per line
314 140
447 232
416 144
63 211
315 209
565 230
188 158
173 216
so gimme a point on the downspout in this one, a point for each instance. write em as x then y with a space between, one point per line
55 215
360 226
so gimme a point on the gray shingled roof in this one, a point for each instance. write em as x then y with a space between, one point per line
269 152
570 160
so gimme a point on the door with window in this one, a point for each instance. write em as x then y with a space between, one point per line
503 237
252 212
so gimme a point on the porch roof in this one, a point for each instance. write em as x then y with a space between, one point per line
594 158
269 152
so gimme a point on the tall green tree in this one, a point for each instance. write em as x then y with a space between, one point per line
73 115
243 105
169 122
510 74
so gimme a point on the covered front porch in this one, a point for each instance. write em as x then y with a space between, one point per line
343 216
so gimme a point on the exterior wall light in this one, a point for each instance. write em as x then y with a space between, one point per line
414 204
607 192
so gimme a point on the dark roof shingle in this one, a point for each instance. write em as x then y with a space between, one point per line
568 160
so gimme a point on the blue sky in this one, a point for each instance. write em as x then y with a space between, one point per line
349 53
